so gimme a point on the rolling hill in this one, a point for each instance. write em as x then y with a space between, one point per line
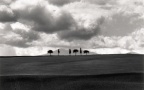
71 65
92 72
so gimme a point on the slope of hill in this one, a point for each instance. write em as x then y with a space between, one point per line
92 72
71 65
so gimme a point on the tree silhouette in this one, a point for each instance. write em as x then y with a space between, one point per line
69 51
80 51
58 52
86 52
50 52
75 51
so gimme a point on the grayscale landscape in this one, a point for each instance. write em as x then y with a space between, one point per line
71 44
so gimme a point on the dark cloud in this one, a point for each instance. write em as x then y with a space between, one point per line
82 33
44 21
17 43
61 2
64 22
7 15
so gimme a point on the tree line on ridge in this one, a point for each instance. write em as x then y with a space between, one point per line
75 51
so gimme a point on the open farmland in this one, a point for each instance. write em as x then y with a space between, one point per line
92 72
71 65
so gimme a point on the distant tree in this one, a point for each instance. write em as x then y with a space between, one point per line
58 52
86 52
80 51
75 51
69 51
50 52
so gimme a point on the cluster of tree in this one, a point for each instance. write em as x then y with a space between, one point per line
70 51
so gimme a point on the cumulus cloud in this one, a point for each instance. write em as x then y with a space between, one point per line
100 45
130 42
6 14
25 32
88 22
77 22
32 24
65 23
24 38
17 37
131 6
44 17
83 32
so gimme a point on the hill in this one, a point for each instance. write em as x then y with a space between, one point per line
92 72
71 65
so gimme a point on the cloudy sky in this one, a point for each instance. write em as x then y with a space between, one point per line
31 27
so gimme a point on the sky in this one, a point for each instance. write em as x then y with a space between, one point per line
31 27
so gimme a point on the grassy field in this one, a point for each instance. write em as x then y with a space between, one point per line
127 81
93 72
71 65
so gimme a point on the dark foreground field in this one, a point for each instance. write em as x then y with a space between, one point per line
94 72
127 81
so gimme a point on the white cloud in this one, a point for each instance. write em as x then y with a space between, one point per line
132 6
87 10
20 26
2 26
132 41
22 4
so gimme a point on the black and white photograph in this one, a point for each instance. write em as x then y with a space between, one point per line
71 44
